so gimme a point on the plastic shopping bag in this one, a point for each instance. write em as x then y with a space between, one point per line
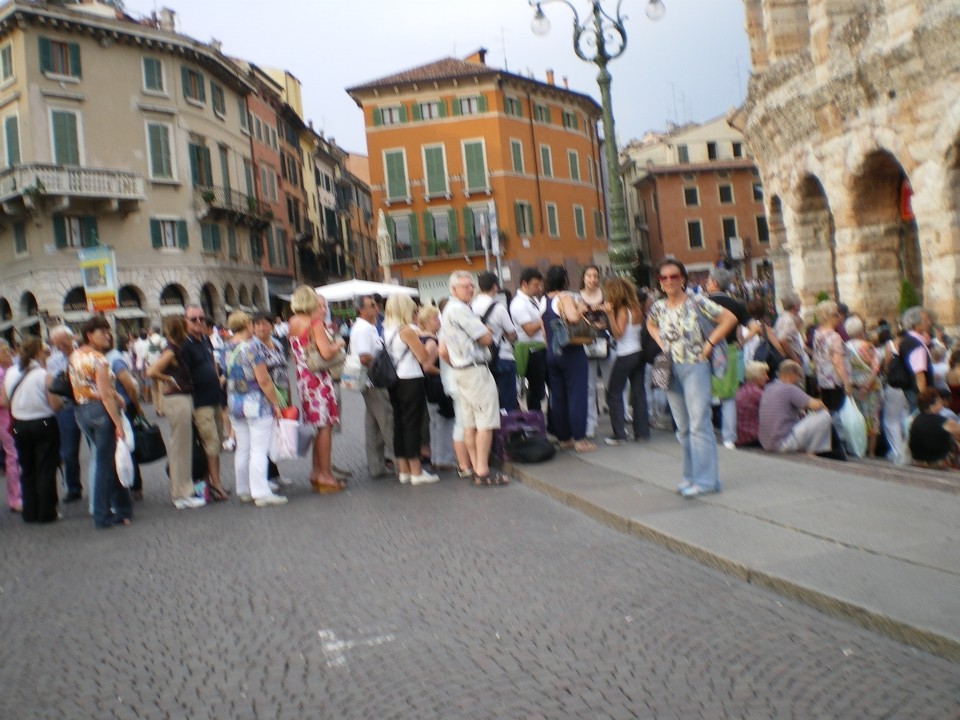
122 456
354 376
854 428
283 441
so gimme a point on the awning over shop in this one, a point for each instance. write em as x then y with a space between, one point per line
75 316
129 313
27 321
281 296
6 325
168 310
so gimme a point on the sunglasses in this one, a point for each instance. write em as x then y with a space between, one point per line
194 319
671 276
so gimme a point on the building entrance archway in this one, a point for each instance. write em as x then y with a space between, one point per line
814 262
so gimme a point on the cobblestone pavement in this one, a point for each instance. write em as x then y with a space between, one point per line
392 601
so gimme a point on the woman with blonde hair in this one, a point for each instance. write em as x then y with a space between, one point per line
318 403
625 318
830 357
253 404
864 360
439 404
408 396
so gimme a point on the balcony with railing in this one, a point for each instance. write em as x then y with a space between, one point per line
239 208
34 183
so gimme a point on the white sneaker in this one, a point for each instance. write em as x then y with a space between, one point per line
270 500
729 445
423 478
404 477
230 444
246 498
284 481
274 487
189 503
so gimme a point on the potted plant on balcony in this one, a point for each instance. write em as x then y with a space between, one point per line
207 196
443 248
33 193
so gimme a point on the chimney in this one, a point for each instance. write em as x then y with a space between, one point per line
549 77
168 20
217 45
566 83
479 57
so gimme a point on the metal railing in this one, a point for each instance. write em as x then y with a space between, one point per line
231 200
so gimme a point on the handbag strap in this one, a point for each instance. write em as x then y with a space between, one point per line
16 385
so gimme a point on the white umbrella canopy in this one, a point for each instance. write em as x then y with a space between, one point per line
349 289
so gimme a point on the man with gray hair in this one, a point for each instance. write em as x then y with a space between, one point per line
790 420
914 354
465 347
725 389
378 422
61 347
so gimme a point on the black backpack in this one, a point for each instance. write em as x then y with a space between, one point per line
382 373
898 374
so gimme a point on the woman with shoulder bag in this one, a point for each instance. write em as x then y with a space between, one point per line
408 396
12 465
625 314
567 367
26 392
172 379
598 368
99 412
673 323
318 403
439 404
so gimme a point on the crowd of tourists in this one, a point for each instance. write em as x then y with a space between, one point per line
701 361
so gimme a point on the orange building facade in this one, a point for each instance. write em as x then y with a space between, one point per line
460 152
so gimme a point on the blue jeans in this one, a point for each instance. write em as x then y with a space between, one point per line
69 447
567 374
111 501
506 379
690 402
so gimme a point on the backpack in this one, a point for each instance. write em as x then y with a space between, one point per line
382 372
767 353
898 374
154 348
494 347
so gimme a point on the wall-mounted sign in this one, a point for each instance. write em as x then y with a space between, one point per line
98 272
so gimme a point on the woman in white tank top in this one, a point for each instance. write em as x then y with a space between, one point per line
408 396
625 314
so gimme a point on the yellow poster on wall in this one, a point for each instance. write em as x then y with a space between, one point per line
98 271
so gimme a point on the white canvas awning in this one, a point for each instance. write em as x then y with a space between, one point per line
167 310
129 313
349 289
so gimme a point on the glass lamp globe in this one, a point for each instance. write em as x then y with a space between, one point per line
656 9
541 23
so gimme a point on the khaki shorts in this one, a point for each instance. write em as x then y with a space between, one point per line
479 403
208 428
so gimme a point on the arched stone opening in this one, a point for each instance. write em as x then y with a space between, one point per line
173 300
243 295
257 297
813 254
75 307
229 298
6 320
29 324
885 249
209 301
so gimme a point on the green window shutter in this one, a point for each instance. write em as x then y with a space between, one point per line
215 235
417 115
454 230
231 242
12 129
442 108
66 150
430 244
392 229
205 237
396 176
207 166
182 239
185 80
46 55
517 152
20 237
59 231
271 248
156 233
194 151
528 215
151 74
74 51
201 87
518 216
455 105
468 227
88 226
403 113
576 123
476 173
436 182
482 103
414 235
377 117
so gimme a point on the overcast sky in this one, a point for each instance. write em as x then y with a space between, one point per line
691 65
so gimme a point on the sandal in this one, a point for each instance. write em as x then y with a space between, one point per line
584 446
218 494
491 480
567 444
466 474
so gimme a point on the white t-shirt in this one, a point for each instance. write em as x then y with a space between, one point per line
140 351
30 398
499 323
364 339
525 309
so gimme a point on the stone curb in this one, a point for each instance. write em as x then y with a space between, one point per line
898 630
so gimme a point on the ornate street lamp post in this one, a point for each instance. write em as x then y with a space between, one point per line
598 39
